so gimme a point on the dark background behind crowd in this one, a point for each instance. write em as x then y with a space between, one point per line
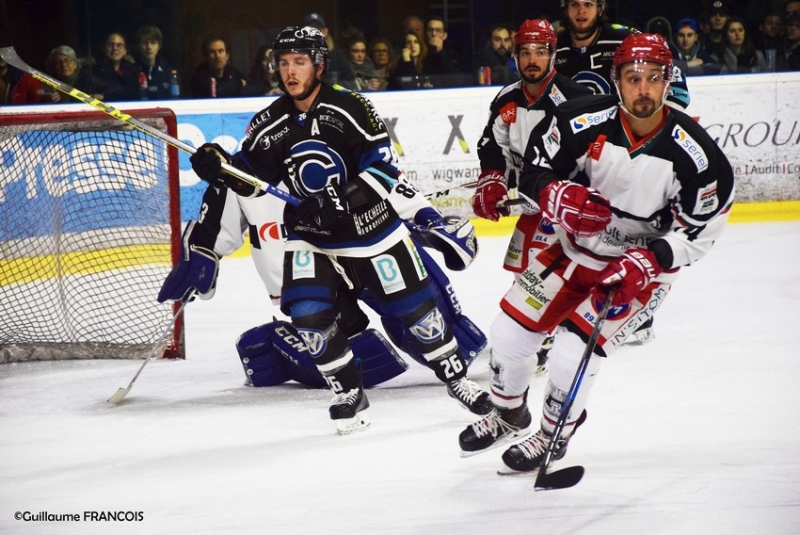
245 29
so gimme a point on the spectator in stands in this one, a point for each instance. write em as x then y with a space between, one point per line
367 79
151 62
717 17
383 57
412 23
789 52
736 52
215 77
63 64
770 32
441 58
18 87
497 55
688 53
114 76
262 80
338 71
409 65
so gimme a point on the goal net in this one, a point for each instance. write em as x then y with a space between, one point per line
89 229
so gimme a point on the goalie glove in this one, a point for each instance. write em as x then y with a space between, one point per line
197 270
631 273
581 211
491 189
207 164
451 236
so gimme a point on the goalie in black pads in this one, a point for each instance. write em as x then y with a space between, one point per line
636 190
331 149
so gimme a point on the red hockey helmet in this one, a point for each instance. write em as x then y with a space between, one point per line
535 31
644 48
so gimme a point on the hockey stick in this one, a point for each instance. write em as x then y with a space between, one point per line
446 191
10 56
569 477
120 394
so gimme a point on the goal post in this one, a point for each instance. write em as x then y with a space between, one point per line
89 229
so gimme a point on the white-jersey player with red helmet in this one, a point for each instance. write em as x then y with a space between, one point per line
636 191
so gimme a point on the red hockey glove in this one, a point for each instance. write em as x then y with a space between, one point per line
631 272
579 210
491 189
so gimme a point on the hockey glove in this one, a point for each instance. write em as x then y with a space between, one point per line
207 164
631 273
579 210
490 190
323 209
197 270
451 236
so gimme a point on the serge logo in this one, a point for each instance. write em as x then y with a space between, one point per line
586 120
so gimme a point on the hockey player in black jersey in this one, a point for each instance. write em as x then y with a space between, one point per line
331 149
636 191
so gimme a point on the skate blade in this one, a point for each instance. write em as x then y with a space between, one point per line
507 471
540 370
522 433
640 338
347 426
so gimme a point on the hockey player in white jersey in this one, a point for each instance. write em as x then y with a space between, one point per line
514 112
637 190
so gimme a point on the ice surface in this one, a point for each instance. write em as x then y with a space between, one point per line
696 432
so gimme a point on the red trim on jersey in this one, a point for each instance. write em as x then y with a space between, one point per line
544 85
637 143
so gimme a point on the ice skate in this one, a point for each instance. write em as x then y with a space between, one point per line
349 411
526 457
643 334
470 396
500 427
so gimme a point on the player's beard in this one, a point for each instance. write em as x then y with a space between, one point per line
584 34
644 107
534 78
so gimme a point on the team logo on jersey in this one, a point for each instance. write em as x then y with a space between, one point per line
614 312
315 165
389 274
557 96
552 139
431 328
707 200
582 122
690 147
271 231
303 265
314 341
593 81
508 113
546 227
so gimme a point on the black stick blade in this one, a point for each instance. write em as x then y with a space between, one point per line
560 479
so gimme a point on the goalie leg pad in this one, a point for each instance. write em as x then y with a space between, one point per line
275 353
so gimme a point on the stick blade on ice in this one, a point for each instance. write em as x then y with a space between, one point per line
560 479
118 396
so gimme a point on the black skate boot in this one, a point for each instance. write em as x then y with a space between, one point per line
500 427
527 456
470 396
643 334
349 411
542 356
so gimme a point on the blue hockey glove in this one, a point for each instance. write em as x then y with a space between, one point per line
197 270
453 237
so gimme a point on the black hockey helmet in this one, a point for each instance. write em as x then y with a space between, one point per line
300 40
